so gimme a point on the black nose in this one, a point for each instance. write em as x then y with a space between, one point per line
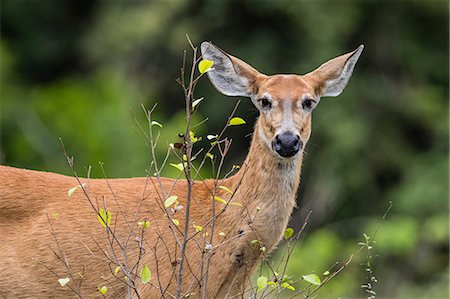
287 144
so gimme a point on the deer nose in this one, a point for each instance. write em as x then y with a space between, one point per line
287 144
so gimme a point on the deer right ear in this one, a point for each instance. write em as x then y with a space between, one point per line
229 75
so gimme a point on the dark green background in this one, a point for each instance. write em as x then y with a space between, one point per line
79 70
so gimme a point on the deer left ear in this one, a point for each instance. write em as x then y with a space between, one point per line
332 76
230 75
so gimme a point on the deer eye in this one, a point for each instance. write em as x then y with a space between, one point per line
308 104
265 103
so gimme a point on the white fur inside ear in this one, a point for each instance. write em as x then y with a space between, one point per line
335 87
223 74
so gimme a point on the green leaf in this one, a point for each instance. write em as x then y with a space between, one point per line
261 282
312 278
104 215
155 123
116 270
146 275
170 201
63 281
212 137
103 290
288 233
205 65
196 102
326 273
144 224
288 286
209 155
226 189
236 121
176 222
254 242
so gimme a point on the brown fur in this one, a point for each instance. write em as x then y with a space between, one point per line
267 189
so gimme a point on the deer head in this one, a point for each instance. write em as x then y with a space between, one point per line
285 102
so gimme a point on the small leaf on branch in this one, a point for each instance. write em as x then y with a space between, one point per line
176 222
212 137
226 189
209 155
288 286
144 224
155 123
103 290
218 199
104 215
194 139
72 190
196 102
63 281
261 282
288 233
312 278
236 121
326 273
170 201
205 65
198 228
179 166
116 270
146 275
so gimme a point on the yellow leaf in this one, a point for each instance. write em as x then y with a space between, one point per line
103 290
176 222
170 201
205 65
236 121
194 139
217 198
179 166
236 204
198 228
104 215
288 233
144 224
116 270
226 189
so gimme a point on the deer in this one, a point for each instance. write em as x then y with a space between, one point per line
265 186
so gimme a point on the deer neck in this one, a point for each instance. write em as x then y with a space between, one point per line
268 187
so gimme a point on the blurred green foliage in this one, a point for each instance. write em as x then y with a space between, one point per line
80 70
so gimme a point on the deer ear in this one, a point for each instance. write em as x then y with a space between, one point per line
332 76
230 75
